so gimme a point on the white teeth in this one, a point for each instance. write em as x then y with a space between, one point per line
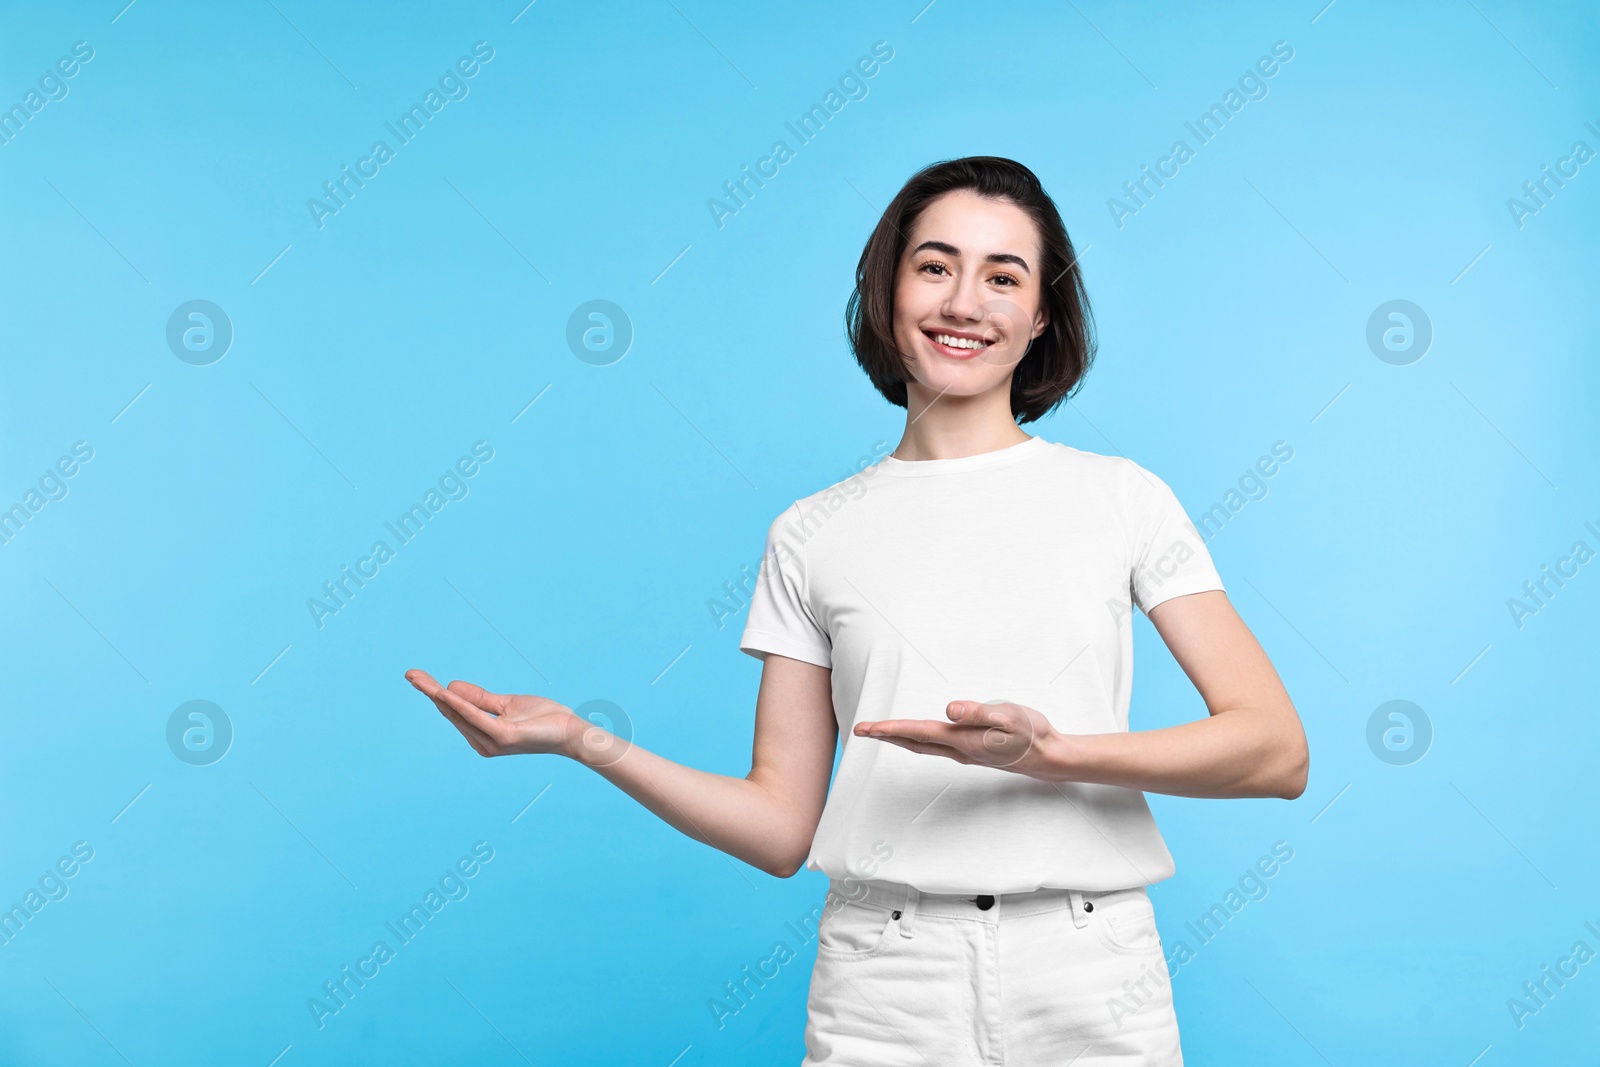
959 342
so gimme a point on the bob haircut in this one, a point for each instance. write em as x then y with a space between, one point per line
1056 361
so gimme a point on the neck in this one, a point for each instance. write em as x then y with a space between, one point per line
951 427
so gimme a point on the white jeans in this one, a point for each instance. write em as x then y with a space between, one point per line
1052 977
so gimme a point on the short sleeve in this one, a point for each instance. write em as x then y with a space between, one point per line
781 618
1169 557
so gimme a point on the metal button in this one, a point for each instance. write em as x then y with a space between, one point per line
894 914
1088 905
985 902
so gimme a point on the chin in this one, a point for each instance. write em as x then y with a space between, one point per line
957 382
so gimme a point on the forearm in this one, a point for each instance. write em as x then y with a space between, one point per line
734 815
1241 752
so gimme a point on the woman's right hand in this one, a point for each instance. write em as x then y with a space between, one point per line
502 724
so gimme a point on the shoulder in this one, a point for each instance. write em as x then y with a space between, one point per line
803 517
1117 474
831 498
1134 496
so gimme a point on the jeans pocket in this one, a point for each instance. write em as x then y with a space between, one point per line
854 931
1126 921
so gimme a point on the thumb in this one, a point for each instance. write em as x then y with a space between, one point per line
965 711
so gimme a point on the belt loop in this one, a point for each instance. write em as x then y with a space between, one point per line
909 910
1079 918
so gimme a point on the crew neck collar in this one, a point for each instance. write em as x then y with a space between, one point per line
999 457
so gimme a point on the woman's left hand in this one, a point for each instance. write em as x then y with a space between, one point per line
1003 735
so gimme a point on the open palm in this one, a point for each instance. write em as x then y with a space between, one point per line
503 724
999 734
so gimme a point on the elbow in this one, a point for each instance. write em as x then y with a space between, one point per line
787 867
1292 780
791 858
783 859
792 850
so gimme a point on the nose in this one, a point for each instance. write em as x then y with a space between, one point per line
965 302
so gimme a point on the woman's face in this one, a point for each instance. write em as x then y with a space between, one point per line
967 296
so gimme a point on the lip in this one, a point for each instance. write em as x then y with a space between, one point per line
957 353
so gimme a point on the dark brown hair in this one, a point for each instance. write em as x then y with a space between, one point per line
1056 361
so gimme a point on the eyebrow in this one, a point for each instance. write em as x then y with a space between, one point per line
952 250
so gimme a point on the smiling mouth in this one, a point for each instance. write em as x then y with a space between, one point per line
955 346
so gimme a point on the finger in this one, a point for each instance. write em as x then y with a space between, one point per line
480 739
894 726
481 742
917 730
987 713
929 748
994 717
482 745
485 722
994 750
422 680
972 713
495 702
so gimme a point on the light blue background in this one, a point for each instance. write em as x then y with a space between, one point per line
429 312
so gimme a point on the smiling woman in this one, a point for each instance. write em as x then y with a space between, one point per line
901 292
966 628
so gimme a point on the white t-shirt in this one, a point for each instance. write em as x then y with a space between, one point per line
1006 575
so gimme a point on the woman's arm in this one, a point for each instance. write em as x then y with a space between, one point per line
766 818
1251 745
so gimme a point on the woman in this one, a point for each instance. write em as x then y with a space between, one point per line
962 610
